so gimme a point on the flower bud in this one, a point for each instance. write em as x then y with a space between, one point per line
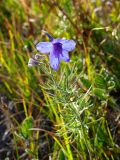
33 62
38 56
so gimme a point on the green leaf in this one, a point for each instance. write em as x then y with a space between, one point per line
85 82
61 155
100 82
26 126
101 93
68 6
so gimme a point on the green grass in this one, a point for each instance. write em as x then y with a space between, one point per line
81 99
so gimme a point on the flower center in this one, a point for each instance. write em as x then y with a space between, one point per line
57 49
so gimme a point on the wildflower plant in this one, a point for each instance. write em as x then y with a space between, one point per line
61 110
69 97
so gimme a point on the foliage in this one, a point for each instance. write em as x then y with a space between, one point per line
72 113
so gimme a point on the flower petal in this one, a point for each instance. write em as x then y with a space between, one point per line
44 47
54 60
65 56
68 45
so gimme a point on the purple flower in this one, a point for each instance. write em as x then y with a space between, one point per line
57 49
